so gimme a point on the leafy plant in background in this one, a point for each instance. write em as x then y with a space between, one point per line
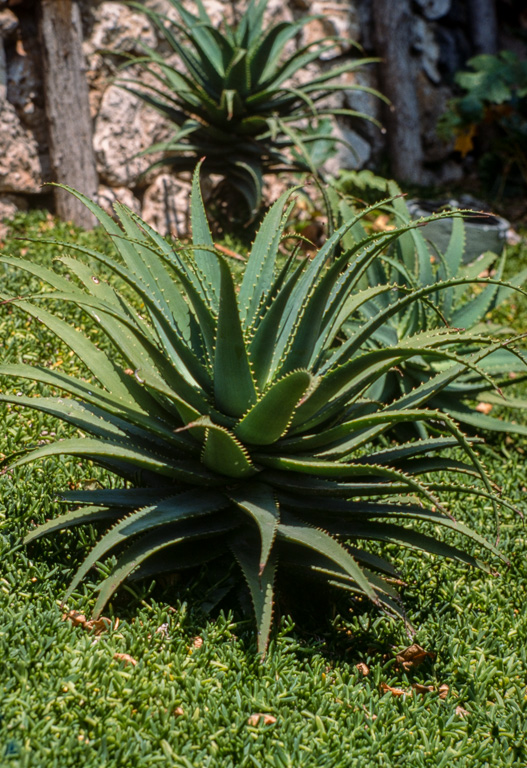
414 262
493 110
234 100
237 425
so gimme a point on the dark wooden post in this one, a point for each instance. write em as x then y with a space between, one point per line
483 25
67 108
392 30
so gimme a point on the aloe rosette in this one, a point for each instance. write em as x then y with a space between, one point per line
233 95
464 301
235 423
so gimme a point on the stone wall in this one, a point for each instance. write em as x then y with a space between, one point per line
123 126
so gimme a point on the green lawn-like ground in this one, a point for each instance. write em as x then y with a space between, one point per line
67 699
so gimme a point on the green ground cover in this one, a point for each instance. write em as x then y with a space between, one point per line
71 697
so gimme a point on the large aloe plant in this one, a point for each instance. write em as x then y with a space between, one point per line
413 261
234 100
237 425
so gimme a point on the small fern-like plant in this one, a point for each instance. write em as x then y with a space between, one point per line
414 262
233 98
238 427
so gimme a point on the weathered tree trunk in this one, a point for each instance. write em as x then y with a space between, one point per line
67 108
392 31
483 25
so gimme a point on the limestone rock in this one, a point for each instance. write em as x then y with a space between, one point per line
352 156
9 205
273 186
8 23
166 205
337 19
20 168
3 73
120 28
107 196
217 9
125 127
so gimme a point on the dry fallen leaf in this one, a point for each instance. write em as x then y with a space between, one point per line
179 711
79 620
98 625
261 717
126 658
484 408
76 618
19 48
363 668
418 688
413 656
461 712
443 691
385 688
197 642
464 140
229 252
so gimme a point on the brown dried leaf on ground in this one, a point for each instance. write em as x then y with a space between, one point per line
126 658
485 408
461 711
418 688
464 140
96 626
363 668
413 656
385 688
443 691
261 717
76 618
228 252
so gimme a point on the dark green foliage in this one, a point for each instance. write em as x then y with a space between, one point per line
238 426
234 100
492 112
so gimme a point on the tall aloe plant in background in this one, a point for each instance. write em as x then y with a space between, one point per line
412 261
237 425
235 100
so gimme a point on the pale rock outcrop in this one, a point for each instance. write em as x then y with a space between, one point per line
123 129
20 168
107 196
166 205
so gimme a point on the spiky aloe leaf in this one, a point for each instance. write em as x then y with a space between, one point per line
259 502
234 388
261 586
153 543
222 453
270 417
183 506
